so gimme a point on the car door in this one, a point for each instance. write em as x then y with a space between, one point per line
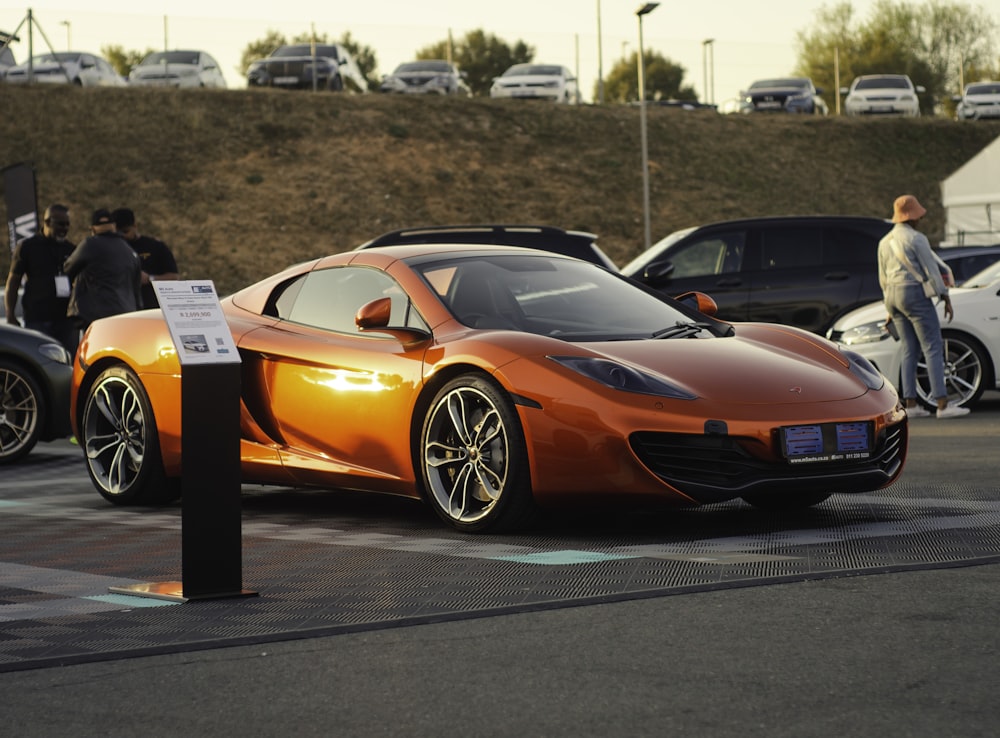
338 400
807 274
709 261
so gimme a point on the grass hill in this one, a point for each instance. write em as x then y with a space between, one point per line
242 183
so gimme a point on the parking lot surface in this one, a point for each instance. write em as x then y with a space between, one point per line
324 562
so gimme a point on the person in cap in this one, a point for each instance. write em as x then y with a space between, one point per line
105 272
158 263
37 261
910 277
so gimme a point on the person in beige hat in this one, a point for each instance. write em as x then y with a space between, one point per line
910 277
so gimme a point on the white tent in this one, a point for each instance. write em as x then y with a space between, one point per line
971 199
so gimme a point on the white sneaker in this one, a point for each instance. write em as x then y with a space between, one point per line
952 411
918 411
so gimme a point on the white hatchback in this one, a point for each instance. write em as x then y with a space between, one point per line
882 94
177 69
545 81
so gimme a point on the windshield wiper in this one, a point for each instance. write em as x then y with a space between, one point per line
681 329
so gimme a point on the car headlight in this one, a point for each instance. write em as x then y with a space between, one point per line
865 333
55 352
864 370
622 377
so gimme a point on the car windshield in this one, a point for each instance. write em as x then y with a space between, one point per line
768 83
991 89
655 250
62 56
533 70
306 50
882 83
424 66
986 277
171 57
551 296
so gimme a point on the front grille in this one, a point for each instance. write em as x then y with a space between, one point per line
715 467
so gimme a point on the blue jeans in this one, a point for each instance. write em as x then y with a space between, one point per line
64 331
916 320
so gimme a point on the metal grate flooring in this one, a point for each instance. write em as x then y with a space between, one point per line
329 562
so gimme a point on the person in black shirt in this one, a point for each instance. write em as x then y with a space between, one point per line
105 273
158 263
38 260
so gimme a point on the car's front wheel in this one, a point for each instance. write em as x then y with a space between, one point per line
473 459
120 441
22 408
965 370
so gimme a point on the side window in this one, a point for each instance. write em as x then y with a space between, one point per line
791 248
719 253
848 246
330 298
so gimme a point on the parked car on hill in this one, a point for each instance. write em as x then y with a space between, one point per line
971 340
785 95
35 373
491 382
426 77
882 94
66 67
965 261
536 81
578 244
979 101
182 68
304 66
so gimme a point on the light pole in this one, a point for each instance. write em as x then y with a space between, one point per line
69 43
708 62
644 10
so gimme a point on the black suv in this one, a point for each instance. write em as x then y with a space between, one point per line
799 270
578 244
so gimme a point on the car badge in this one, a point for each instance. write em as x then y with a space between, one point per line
796 390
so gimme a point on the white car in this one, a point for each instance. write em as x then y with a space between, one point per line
980 100
66 67
544 81
177 69
882 94
971 340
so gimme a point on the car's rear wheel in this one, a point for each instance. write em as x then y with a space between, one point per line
473 459
120 441
785 501
965 370
335 84
22 407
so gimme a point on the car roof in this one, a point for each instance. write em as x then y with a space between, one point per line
578 244
797 220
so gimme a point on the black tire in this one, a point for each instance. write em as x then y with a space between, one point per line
22 412
473 459
335 83
121 444
785 501
966 366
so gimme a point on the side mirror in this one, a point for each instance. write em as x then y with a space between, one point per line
375 315
658 273
819 90
844 90
921 89
700 302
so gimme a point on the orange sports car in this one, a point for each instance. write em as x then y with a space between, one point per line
492 382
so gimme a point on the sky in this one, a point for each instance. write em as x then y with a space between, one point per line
750 40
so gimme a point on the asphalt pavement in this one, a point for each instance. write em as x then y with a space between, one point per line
908 651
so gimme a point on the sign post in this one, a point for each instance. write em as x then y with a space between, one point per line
211 532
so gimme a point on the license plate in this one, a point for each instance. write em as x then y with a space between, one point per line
805 444
285 80
769 105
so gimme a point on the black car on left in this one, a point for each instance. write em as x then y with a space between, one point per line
35 374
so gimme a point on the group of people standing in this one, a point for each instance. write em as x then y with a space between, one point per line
67 286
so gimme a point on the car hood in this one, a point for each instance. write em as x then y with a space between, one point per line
981 99
760 365
522 79
783 90
43 67
159 69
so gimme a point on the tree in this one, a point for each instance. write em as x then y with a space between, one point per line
934 43
124 61
663 79
263 47
481 56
